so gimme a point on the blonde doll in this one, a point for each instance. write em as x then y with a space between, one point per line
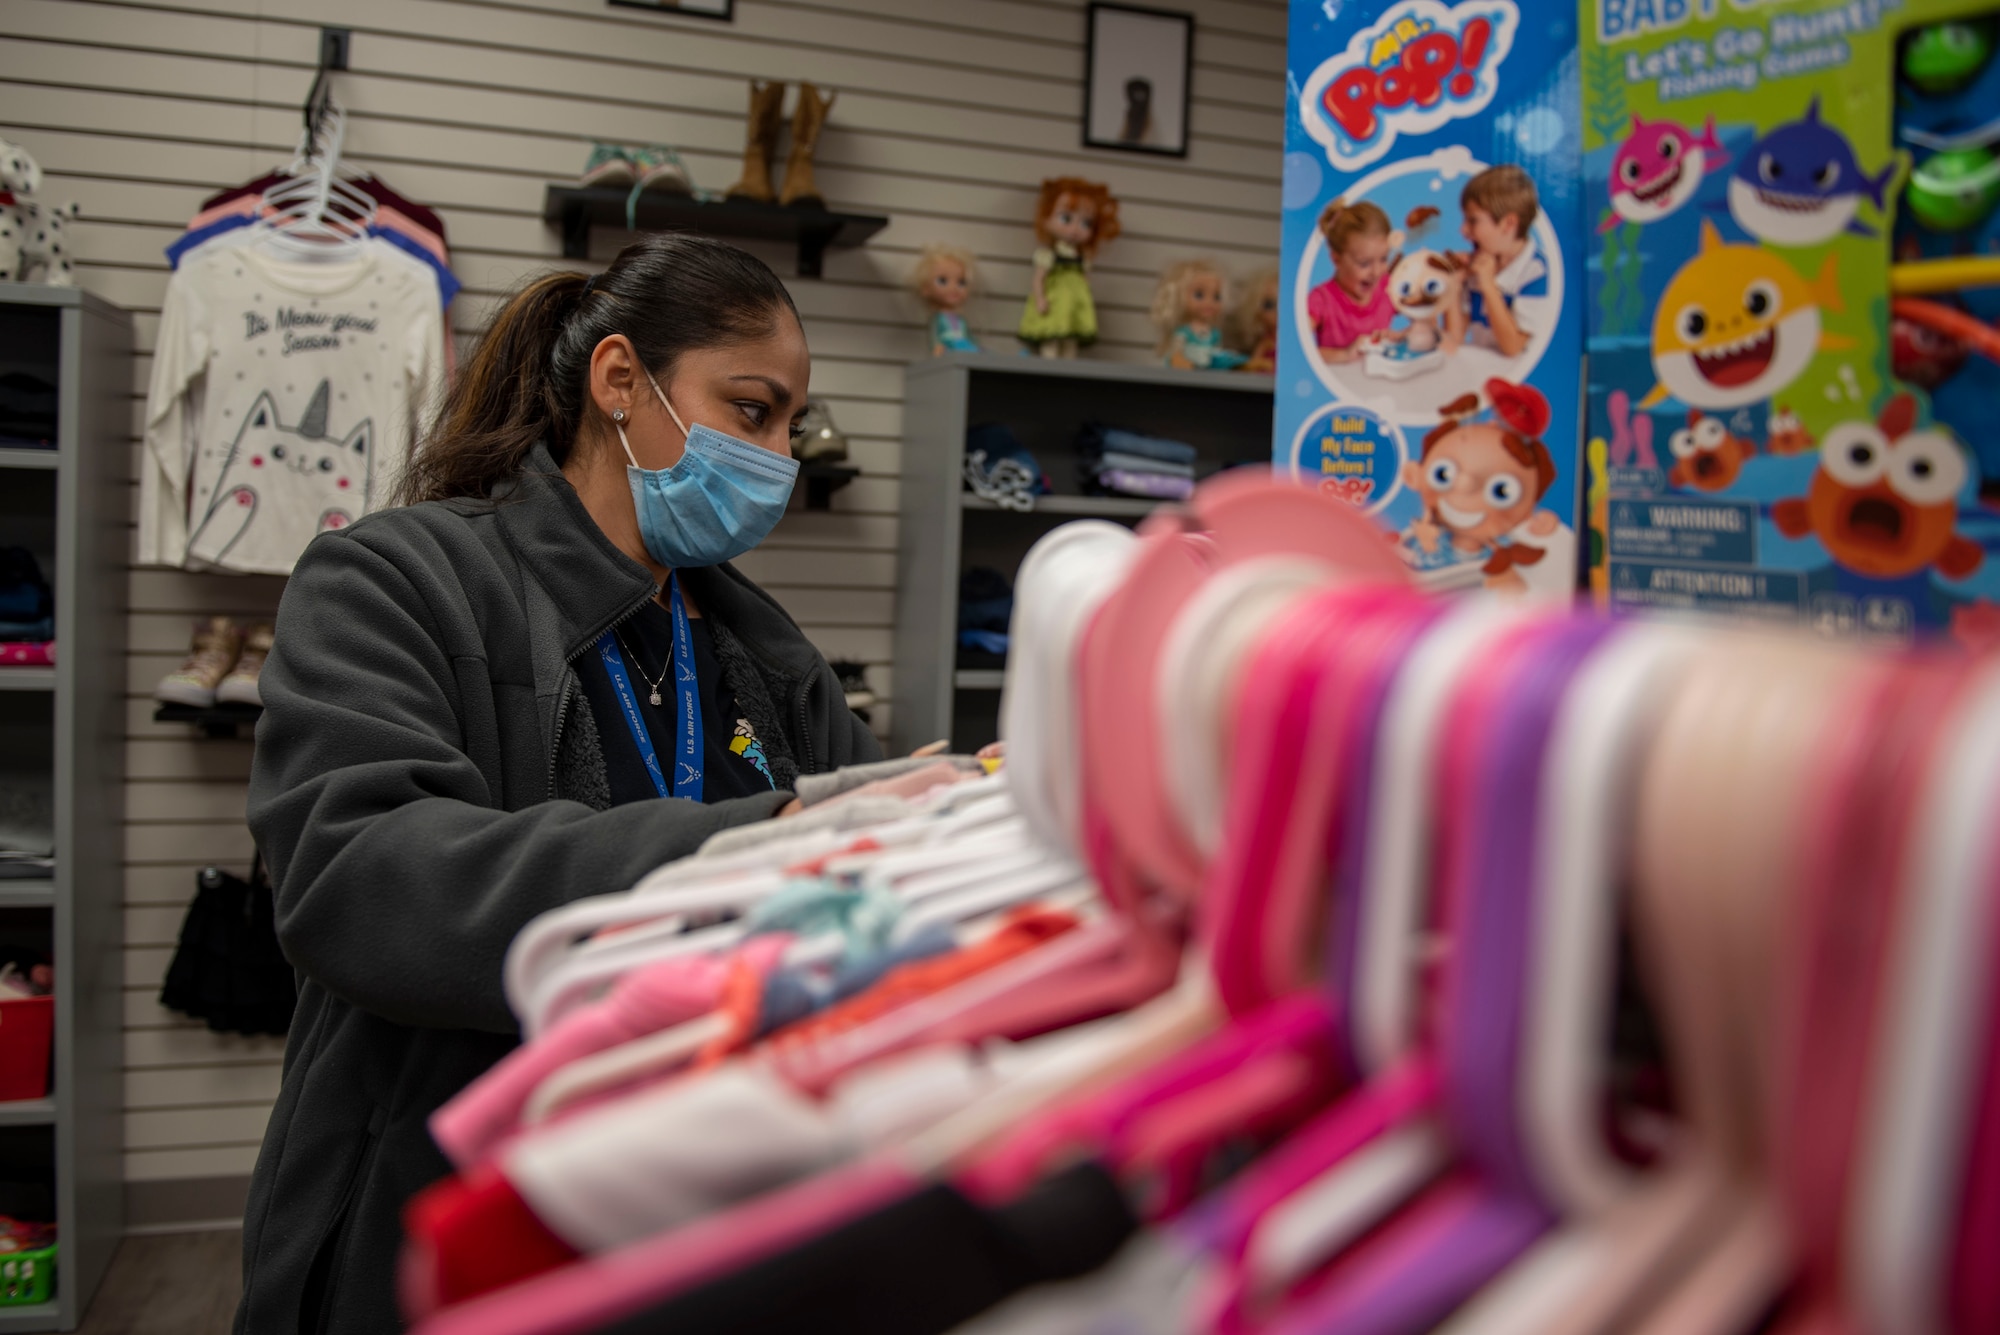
1187 308
1073 217
1255 323
945 279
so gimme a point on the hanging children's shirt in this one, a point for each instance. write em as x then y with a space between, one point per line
284 400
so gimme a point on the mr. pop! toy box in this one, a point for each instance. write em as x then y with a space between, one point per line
1431 324
1752 450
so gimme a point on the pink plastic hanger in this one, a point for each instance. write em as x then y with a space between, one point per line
1240 516
1850 895
1938 984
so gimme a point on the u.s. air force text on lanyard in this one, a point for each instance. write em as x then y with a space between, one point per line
687 755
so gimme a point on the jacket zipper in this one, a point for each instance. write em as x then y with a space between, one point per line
569 684
805 724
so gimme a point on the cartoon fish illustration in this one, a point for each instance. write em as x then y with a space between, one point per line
1658 168
1800 185
1784 433
1737 324
1708 456
1884 502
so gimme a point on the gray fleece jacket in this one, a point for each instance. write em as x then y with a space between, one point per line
427 779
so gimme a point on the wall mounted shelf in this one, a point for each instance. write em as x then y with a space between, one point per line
577 209
216 720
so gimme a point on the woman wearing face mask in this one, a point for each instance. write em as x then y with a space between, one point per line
539 680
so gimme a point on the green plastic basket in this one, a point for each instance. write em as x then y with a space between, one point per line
28 1277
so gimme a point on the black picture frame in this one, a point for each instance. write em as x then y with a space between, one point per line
722 11
1132 45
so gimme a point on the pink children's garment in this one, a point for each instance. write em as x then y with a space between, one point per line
1339 321
669 992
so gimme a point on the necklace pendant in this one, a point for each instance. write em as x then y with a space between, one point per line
656 699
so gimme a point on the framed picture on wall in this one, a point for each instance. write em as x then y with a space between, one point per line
1135 93
701 9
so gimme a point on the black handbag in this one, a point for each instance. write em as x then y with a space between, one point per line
228 968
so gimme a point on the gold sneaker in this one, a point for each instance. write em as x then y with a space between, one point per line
216 645
240 686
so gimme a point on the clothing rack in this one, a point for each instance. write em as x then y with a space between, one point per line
1410 840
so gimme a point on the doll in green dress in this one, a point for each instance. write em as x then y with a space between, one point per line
1073 218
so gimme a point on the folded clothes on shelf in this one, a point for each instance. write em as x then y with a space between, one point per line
985 606
27 605
1144 486
27 653
1118 461
27 818
984 641
1096 439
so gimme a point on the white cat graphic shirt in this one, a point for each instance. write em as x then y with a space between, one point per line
285 396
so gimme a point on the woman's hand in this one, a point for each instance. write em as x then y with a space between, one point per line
791 808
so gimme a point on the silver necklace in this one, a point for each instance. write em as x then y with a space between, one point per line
654 699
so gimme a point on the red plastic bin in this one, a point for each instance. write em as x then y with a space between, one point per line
27 1031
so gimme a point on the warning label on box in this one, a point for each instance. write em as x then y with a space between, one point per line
1774 594
1720 532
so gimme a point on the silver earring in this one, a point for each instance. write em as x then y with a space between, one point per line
617 414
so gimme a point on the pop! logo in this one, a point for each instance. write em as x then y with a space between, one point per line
1424 63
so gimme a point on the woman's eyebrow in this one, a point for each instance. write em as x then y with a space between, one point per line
778 389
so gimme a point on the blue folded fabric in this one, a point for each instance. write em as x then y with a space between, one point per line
985 641
34 632
1099 439
1140 463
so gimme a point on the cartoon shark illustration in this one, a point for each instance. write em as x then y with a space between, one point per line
1708 456
1658 168
1800 185
1884 502
1737 324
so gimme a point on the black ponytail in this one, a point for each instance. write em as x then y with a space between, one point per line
527 379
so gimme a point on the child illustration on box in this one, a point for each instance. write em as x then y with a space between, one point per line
1352 310
1507 280
1480 477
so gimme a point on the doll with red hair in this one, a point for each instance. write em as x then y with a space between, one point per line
1073 217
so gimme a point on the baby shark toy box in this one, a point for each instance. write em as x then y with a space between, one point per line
1431 324
1750 450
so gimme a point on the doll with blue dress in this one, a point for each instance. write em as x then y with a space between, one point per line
945 279
1187 310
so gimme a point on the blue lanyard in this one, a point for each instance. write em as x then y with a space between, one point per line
687 756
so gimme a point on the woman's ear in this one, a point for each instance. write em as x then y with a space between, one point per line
614 374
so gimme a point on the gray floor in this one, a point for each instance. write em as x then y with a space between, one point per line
169 1284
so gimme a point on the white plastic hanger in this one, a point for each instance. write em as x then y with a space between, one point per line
1903 1225
1200 663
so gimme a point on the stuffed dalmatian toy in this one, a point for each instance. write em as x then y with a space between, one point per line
34 237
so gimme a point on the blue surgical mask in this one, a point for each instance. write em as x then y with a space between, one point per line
723 497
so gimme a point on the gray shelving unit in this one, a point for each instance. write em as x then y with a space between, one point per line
945 529
71 505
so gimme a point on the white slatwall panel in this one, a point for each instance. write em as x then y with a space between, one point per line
950 113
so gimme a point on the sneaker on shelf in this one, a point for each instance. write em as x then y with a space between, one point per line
213 651
240 686
660 168
609 165
820 441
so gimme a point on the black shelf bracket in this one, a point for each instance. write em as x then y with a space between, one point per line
822 480
218 721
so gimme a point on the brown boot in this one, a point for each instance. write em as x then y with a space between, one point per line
760 141
807 122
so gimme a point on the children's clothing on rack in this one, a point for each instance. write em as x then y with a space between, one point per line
411 228
1325 958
